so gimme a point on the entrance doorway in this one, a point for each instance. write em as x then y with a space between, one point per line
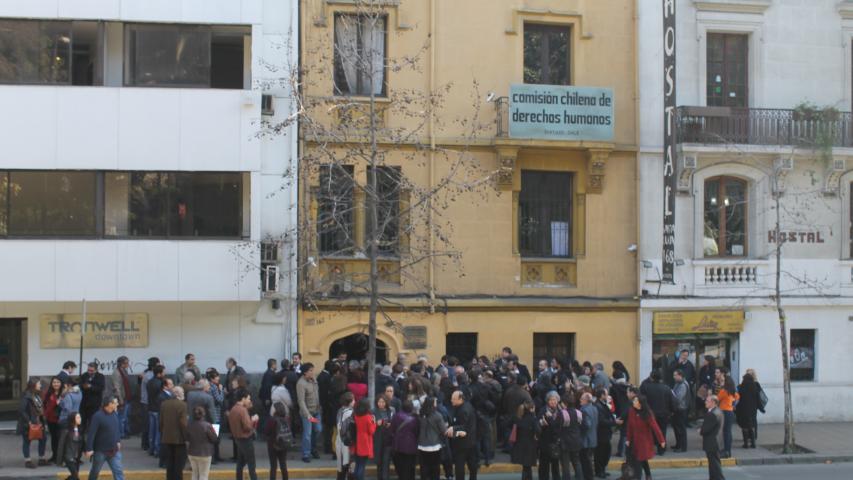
723 347
11 365
355 346
463 346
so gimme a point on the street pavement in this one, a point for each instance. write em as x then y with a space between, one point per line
830 442
841 471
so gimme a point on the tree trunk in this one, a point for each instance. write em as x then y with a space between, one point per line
373 248
788 445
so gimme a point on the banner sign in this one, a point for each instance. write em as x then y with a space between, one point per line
693 322
560 112
669 178
103 330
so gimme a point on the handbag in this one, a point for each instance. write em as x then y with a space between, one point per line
762 398
35 432
513 436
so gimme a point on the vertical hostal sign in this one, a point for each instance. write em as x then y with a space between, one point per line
668 140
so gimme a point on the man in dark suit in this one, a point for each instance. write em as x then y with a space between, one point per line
92 384
463 436
710 431
173 434
324 381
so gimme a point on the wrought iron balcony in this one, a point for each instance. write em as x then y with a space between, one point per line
763 126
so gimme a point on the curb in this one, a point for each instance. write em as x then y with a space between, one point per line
329 472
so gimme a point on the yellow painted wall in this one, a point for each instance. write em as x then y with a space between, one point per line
600 336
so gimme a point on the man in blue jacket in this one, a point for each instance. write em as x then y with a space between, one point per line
103 440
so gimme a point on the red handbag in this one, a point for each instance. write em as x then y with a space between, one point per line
36 431
513 436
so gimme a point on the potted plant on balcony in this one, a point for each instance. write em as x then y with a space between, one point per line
816 126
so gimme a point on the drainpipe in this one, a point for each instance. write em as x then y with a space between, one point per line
431 154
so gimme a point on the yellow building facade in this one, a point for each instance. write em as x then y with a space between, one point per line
540 229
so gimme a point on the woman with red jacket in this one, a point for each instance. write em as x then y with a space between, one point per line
365 427
643 431
51 414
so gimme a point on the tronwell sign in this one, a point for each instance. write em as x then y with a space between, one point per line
557 112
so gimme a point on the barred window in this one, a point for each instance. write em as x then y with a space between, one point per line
388 185
545 214
335 209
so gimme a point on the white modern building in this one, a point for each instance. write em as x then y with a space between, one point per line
763 101
134 174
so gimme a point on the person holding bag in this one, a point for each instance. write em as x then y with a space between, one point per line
31 423
551 423
431 430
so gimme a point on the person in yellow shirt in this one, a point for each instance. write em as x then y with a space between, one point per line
726 391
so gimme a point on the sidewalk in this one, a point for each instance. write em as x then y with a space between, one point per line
830 442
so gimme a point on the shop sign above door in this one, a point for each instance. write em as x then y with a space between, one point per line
558 112
103 330
694 322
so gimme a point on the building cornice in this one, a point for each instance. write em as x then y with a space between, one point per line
732 6
845 9
519 303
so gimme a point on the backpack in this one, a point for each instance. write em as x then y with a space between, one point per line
348 431
283 436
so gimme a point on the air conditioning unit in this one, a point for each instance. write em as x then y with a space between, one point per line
270 253
689 162
269 279
785 163
266 105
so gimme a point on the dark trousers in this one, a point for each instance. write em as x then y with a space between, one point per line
73 469
464 457
277 458
640 468
679 427
246 457
431 465
586 463
570 461
328 420
487 450
175 458
663 423
404 464
715 469
548 467
602 454
54 430
145 424
526 473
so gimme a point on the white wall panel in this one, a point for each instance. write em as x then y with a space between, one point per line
87 128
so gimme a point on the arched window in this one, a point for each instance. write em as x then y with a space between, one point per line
725 217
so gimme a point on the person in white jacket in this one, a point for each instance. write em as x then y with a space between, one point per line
280 393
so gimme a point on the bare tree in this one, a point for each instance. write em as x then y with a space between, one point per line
395 221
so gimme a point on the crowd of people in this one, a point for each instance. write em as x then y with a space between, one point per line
447 418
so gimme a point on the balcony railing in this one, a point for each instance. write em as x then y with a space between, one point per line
763 126
502 117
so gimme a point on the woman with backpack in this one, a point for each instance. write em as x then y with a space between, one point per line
431 430
201 438
382 413
365 428
404 441
279 439
342 450
642 435
526 439
570 435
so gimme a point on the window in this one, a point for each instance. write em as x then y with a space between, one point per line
727 56
725 217
50 203
802 358
33 51
50 52
551 345
185 55
359 55
388 185
546 54
463 346
335 209
161 204
544 214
